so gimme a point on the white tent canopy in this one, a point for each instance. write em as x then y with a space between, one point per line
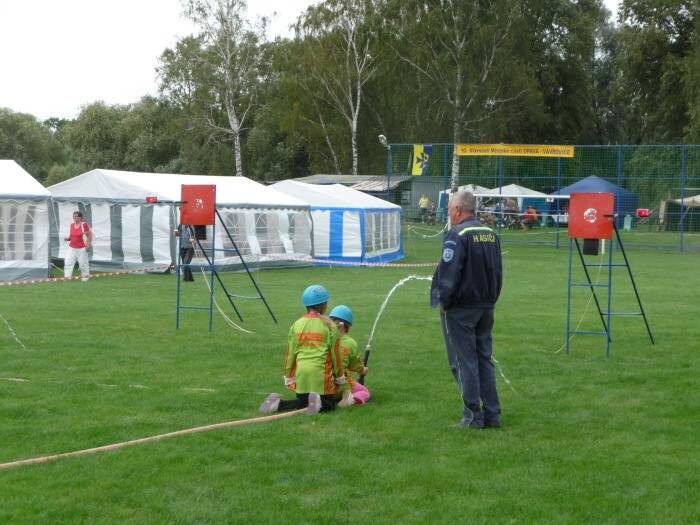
690 202
267 226
24 225
349 225
514 191
471 188
474 189
687 203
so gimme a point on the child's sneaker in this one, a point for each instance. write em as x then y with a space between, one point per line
347 400
271 404
314 404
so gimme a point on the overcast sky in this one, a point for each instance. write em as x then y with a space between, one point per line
59 55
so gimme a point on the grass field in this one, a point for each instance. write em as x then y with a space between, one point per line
585 438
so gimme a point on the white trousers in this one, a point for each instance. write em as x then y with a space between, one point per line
81 256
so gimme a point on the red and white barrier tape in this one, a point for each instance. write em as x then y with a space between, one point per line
281 257
92 276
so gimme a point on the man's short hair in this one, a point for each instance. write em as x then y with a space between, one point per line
465 200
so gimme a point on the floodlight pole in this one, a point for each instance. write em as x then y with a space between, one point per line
383 142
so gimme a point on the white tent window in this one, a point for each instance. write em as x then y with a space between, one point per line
270 234
299 228
17 232
235 224
382 232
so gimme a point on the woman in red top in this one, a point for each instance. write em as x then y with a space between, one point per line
78 249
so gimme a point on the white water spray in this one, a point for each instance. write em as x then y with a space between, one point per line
381 308
403 281
13 333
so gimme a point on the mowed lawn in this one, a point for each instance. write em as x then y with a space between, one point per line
586 438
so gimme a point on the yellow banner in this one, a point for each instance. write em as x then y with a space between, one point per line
421 157
508 150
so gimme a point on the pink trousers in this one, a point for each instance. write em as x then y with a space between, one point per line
360 393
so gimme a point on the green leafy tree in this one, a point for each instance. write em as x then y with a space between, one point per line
609 116
562 51
216 76
145 131
134 137
93 137
656 68
459 53
59 173
276 145
339 58
30 143
691 84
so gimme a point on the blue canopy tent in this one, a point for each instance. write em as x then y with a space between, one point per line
625 200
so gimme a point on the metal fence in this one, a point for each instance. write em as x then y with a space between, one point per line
663 179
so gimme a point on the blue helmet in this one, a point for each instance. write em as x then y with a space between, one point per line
314 295
342 312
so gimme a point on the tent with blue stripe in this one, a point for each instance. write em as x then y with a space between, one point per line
349 225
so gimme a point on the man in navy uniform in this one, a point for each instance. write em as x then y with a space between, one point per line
466 286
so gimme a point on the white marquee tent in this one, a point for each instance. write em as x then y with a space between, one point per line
685 208
515 191
24 225
475 189
268 227
349 225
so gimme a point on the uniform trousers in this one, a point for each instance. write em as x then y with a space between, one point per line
467 334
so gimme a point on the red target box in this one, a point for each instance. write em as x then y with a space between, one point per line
591 215
198 204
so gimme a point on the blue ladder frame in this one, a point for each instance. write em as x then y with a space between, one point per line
213 273
605 316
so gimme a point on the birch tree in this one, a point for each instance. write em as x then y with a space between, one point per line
226 70
454 46
339 44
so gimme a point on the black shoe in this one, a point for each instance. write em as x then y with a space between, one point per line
492 424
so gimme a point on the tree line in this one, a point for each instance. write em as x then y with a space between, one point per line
233 102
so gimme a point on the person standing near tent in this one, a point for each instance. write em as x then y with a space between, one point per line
466 285
187 245
423 204
313 366
80 242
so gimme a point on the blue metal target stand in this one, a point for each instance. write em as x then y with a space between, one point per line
592 218
198 209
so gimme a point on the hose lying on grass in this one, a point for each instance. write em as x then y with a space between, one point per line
115 446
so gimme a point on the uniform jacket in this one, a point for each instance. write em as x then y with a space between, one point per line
313 355
352 362
470 272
